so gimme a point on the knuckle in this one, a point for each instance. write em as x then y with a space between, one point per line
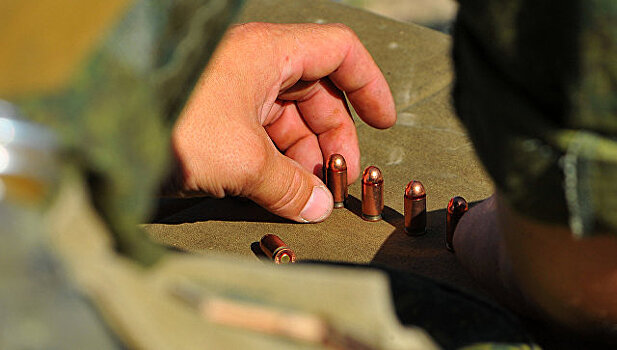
249 30
252 38
344 30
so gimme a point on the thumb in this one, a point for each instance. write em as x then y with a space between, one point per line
288 190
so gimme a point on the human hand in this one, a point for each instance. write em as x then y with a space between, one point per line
272 87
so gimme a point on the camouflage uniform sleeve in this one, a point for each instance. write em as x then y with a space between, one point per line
536 86
113 93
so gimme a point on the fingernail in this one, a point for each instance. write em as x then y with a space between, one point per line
319 205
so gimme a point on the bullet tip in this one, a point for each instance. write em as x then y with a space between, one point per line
415 189
457 205
337 162
372 175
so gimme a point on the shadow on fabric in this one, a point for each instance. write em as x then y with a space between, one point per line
175 211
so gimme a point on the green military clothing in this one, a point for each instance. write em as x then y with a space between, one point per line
535 86
116 105
112 97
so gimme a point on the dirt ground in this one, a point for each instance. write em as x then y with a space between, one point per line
437 14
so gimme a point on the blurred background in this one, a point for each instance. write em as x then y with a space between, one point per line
436 14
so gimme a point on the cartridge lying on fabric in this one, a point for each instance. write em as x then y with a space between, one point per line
276 249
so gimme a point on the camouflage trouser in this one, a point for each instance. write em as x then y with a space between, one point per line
536 86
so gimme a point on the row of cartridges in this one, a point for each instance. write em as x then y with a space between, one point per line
335 176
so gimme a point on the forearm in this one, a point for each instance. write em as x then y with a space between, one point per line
570 280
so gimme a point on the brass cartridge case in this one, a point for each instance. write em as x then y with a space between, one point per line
455 210
336 179
415 208
372 194
276 249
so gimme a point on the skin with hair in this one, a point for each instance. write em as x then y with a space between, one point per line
269 110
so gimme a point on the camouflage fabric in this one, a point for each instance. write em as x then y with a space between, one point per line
62 72
115 106
535 85
110 84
